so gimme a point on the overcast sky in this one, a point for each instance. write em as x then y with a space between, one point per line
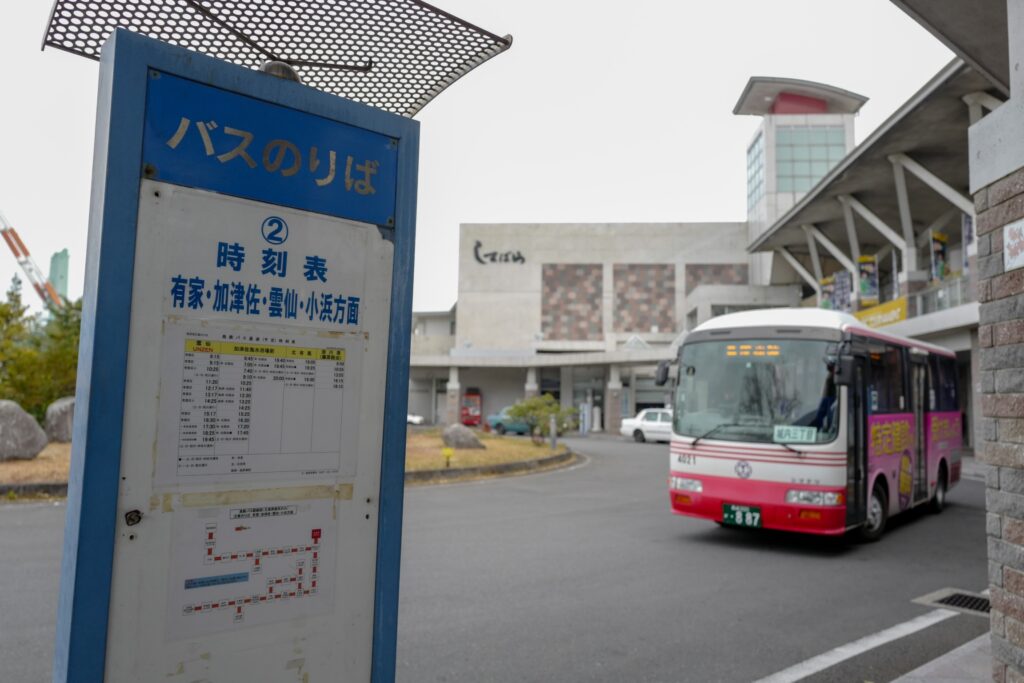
599 112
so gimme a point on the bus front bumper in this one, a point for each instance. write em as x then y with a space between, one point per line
767 498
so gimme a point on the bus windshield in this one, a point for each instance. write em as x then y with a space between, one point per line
759 390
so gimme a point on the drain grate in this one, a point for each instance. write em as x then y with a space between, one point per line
974 603
966 602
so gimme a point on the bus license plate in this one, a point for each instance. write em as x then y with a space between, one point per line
741 515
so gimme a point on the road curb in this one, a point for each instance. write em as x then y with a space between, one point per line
52 488
565 458
521 467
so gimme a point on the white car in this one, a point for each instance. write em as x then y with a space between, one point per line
411 419
652 424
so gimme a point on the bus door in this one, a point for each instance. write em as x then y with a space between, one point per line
857 444
919 404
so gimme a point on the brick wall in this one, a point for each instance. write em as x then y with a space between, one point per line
571 301
645 297
716 274
1001 377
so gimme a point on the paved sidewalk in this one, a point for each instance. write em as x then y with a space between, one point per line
972 661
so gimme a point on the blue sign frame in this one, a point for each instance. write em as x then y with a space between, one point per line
119 165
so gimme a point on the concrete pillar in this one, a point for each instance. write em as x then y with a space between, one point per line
532 388
613 401
1001 418
453 400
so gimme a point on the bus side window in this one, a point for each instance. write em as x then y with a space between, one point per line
942 380
886 391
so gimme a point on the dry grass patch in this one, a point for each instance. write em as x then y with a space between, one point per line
423 451
51 465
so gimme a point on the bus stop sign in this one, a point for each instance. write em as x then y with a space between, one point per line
235 500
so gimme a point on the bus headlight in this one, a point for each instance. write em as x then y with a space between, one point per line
798 497
684 484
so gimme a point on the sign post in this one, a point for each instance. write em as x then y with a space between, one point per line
235 499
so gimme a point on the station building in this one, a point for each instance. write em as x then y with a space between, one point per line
586 311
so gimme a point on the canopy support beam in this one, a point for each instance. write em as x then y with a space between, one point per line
799 268
875 222
906 220
933 181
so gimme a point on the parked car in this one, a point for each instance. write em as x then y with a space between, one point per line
413 419
652 424
502 423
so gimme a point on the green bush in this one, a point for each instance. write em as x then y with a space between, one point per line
38 355
536 412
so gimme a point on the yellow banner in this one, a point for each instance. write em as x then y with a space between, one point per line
884 314
232 348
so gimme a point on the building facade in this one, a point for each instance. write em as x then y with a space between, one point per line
586 311
581 311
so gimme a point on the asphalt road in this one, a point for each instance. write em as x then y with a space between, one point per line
584 575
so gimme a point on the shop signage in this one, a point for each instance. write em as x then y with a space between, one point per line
884 314
868 280
1013 245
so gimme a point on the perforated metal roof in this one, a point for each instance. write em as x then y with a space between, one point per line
396 55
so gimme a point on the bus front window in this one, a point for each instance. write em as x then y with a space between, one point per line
768 391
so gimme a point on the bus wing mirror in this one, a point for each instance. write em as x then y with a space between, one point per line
661 376
845 370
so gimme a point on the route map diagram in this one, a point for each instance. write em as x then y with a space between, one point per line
250 564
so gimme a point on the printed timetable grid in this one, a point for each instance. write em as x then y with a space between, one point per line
259 405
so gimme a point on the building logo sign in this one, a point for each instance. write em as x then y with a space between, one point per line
488 257
743 469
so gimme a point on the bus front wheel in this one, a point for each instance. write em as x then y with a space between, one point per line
874 524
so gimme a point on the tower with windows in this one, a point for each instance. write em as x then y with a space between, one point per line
806 129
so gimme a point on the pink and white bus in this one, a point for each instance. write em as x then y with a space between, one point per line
806 420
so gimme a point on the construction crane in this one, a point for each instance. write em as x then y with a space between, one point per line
40 283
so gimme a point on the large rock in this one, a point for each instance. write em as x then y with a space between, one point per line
59 419
21 437
460 436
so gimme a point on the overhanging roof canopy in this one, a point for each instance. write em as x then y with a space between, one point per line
759 94
396 55
930 128
974 30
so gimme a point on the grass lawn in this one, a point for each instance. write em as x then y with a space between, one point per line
423 452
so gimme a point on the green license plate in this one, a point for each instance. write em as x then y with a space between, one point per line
741 515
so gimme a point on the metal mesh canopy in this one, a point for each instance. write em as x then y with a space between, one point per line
396 55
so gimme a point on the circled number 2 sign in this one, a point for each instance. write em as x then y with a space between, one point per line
275 230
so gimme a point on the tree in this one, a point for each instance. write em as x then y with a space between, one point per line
536 412
38 359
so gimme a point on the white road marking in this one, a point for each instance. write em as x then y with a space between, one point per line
843 652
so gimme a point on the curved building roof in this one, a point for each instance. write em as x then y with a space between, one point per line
761 92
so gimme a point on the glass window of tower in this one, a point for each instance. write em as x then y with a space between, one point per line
755 171
804 154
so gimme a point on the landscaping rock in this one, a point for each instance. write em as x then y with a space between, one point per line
460 436
21 437
60 418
